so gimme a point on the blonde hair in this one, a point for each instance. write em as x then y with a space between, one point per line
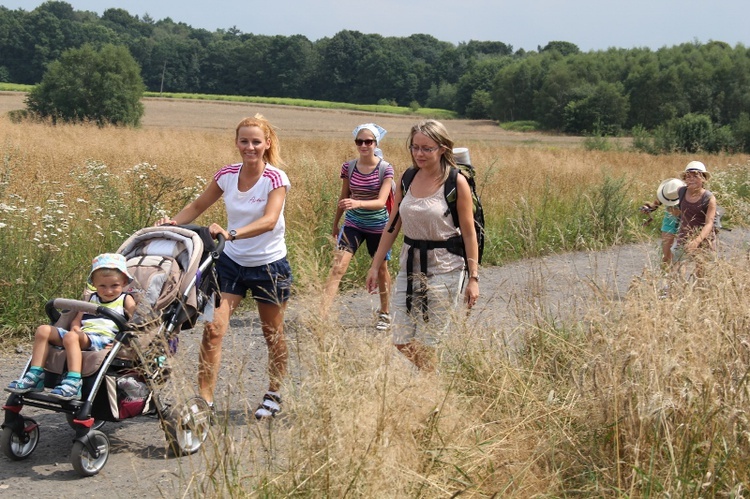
272 155
436 131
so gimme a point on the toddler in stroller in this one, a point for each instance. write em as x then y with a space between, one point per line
109 276
167 279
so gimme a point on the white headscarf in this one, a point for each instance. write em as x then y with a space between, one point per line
377 131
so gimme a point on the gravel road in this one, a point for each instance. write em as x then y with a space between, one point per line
139 465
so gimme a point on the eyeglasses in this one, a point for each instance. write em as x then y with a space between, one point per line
693 174
367 142
426 150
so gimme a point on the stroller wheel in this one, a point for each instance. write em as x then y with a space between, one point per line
187 425
18 447
98 423
86 462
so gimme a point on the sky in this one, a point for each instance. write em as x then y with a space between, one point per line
523 24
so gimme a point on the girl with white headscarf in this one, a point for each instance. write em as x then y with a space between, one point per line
366 184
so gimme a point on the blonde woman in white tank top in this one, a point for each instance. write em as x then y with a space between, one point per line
422 311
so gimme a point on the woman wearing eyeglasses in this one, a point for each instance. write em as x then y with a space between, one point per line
365 187
425 301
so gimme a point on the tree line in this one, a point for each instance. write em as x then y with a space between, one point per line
557 87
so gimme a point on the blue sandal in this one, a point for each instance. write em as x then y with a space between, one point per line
30 382
69 389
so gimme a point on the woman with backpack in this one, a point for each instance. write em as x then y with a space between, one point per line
433 276
366 185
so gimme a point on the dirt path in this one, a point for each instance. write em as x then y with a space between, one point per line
138 464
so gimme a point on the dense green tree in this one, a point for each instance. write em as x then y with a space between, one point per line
220 66
441 96
558 86
480 105
476 48
289 65
340 55
515 88
479 77
103 86
561 85
127 26
564 48
11 49
603 109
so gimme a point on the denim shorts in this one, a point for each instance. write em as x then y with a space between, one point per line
351 238
270 283
98 341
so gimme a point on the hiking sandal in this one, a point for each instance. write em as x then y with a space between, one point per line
384 322
270 407
30 382
69 389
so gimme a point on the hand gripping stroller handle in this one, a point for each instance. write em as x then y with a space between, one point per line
220 242
55 306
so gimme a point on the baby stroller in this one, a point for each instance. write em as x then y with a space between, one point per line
174 282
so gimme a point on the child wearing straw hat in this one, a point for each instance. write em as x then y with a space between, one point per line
668 195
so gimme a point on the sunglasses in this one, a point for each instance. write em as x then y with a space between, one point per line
366 142
693 174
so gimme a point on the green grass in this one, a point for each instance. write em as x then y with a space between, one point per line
14 87
520 126
284 101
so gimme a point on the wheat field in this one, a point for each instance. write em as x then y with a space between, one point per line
643 397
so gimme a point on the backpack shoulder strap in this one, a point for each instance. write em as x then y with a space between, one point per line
381 170
451 194
406 179
352 166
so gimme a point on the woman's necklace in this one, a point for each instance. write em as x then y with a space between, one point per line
248 177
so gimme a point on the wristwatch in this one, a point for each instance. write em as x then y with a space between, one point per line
232 235
475 277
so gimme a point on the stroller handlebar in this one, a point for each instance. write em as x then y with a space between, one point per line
220 242
55 306
218 248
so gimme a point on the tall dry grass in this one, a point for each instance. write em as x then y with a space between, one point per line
644 397
68 184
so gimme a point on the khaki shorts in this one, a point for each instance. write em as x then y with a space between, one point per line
444 297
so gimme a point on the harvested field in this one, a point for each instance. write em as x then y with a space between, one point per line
304 121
